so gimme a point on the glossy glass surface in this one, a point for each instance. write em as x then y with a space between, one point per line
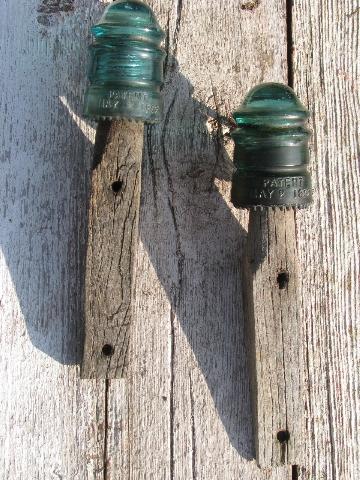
126 70
271 149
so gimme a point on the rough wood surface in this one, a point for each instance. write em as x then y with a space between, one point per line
112 246
275 337
184 410
52 424
326 76
188 392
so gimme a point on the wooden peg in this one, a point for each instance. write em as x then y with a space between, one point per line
112 245
275 337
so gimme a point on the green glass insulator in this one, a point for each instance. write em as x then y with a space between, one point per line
126 71
271 150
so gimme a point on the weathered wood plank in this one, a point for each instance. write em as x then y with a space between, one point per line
189 399
188 395
275 337
112 246
326 75
52 424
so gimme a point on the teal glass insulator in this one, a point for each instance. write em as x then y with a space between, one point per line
126 71
271 150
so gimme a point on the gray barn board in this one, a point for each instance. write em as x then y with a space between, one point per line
183 410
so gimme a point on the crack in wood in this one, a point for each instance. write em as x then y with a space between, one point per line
290 42
193 432
172 393
179 9
106 429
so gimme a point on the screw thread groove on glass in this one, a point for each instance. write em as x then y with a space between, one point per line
126 71
271 150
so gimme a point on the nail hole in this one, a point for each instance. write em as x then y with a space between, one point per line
282 280
295 472
116 186
283 436
107 350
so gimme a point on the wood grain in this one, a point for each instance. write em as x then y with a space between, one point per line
326 76
52 424
184 410
275 337
112 246
189 396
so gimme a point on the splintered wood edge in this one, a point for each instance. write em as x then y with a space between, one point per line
111 249
274 329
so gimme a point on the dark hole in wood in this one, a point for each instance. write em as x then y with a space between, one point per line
295 472
107 350
117 186
283 436
282 280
